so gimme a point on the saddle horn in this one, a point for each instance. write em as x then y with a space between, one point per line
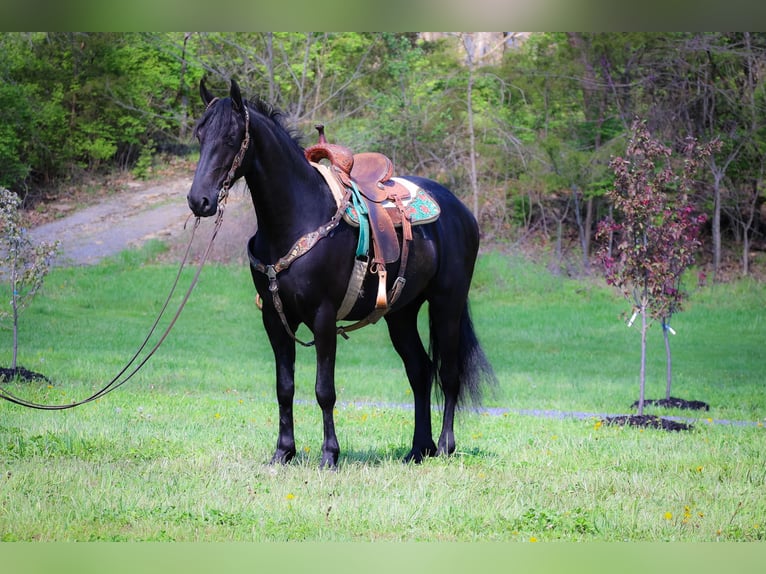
338 155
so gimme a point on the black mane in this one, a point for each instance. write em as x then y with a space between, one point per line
277 117
264 109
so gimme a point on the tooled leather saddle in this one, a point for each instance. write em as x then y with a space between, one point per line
385 200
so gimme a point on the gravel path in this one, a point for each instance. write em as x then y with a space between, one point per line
130 218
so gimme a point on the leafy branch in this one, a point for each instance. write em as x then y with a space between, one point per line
23 265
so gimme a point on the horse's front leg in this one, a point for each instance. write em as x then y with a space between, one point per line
284 358
326 345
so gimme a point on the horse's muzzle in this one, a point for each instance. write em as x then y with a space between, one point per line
203 206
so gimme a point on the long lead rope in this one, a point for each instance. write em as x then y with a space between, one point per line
116 382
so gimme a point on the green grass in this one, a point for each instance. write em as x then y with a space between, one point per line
179 452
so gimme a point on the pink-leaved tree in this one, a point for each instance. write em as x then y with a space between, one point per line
654 234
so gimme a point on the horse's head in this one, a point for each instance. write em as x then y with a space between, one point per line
223 140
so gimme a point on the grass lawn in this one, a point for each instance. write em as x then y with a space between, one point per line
179 452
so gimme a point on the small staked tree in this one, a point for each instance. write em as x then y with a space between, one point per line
23 265
656 231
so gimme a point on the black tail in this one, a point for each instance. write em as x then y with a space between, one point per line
475 373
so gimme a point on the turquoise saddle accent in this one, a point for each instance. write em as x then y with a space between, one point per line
421 207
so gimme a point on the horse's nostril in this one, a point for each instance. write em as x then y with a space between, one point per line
201 205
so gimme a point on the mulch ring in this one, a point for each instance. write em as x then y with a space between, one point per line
647 421
21 374
676 403
653 421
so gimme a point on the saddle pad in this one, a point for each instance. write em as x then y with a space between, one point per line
421 207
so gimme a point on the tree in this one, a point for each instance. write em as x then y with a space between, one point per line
657 232
711 86
475 52
25 264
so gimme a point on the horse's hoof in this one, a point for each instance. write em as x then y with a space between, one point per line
418 455
446 451
282 457
413 457
329 461
446 447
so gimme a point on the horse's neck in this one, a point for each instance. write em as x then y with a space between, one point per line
289 202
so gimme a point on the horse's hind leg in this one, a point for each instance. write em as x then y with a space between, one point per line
445 317
326 346
402 327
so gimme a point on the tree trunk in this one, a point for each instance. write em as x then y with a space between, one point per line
594 108
716 223
182 93
472 139
269 41
583 228
589 209
15 308
478 48
668 362
747 225
611 233
642 375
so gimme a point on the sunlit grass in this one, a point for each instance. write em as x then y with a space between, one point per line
180 451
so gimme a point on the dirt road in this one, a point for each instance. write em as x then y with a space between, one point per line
144 212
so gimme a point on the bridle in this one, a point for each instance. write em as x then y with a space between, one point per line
129 370
223 193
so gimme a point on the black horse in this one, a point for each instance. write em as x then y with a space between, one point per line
240 138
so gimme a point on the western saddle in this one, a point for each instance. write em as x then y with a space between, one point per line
369 176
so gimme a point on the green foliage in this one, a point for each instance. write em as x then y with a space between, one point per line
15 120
144 162
547 115
82 101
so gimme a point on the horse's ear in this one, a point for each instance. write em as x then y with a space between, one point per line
206 96
236 96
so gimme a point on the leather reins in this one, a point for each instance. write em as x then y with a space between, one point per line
118 381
